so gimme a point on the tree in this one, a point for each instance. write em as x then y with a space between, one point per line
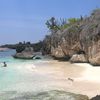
52 24
20 47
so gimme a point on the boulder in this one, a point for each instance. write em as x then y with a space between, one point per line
78 58
26 54
95 60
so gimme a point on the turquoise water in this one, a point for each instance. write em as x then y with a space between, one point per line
7 76
23 78
19 75
13 73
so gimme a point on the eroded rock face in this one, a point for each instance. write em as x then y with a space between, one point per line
65 43
70 40
95 59
90 38
81 36
78 58
57 52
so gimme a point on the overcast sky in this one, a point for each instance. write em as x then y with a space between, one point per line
24 20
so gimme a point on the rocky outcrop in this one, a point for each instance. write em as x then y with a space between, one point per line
57 52
45 95
96 98
81 36
26 54
59 95
90 37
95 60
78 58
23 55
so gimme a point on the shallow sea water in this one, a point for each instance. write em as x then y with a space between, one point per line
26 79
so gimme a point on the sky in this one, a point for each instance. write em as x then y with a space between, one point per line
24 20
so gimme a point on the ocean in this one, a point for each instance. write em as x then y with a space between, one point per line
21 77
32 79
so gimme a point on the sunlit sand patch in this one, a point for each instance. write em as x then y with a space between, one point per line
91 73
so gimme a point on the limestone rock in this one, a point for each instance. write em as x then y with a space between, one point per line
95 60
78 58
26 54
81 36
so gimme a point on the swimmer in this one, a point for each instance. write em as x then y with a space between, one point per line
5 65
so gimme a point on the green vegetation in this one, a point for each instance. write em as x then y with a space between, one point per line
37 46
54 25
20 47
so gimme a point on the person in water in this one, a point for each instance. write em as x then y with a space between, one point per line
5 65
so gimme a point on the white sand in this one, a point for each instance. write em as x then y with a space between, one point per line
91 73
86 77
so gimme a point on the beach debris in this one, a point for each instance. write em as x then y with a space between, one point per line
70 79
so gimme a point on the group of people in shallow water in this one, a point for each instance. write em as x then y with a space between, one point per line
4 64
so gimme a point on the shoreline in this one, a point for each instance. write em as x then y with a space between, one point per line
46 75
3 49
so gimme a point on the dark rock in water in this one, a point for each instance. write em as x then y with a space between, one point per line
23 56
65 58
48 95
96 98
78 58
37 57
26 54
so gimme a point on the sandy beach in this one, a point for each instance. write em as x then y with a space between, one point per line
55 74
